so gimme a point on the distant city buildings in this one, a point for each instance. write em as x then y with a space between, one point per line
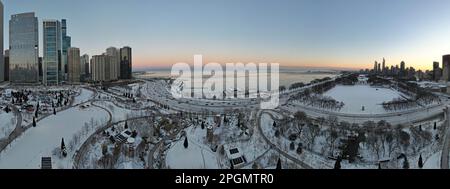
113 65
23 48
61 62
52 52
73 65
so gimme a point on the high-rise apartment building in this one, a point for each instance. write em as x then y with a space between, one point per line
73 65
23 48
126 62
114 58
98 67
52 52
446 67
437 72
66 44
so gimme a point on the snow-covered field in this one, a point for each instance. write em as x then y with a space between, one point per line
40 141
120 113
355 97
84 96
7 123
434 162
196 156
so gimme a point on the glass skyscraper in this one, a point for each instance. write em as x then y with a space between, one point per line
66 44
24 48
52 52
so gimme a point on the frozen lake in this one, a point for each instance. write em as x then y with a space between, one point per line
357 96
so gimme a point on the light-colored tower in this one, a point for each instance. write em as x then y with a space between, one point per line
74 65
98 66
114 57
52 52
24 48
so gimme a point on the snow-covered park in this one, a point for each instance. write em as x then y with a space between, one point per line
358 96
26 152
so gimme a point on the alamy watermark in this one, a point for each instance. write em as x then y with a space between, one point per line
257 82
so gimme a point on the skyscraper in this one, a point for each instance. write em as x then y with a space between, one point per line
446 67
114 57
2 61
436 71
98 67
66 43
375 66
6 62
84 67
23 48
52 52
384 66
73 65
84 61
126 62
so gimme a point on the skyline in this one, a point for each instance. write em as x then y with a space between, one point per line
319 33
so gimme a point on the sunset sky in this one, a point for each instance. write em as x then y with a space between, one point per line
313 33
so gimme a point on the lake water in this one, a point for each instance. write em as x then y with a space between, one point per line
287 77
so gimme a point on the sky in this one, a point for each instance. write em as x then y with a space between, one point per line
300 33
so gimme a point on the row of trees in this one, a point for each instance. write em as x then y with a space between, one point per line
318 101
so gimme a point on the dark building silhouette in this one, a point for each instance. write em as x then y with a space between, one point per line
437 72
40 68
6 60
446 67
125 63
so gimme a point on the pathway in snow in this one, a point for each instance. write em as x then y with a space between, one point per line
26 152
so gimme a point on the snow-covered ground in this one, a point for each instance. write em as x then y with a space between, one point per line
196 156
40 141
357 96
434 162
7 123
119 113
84 96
